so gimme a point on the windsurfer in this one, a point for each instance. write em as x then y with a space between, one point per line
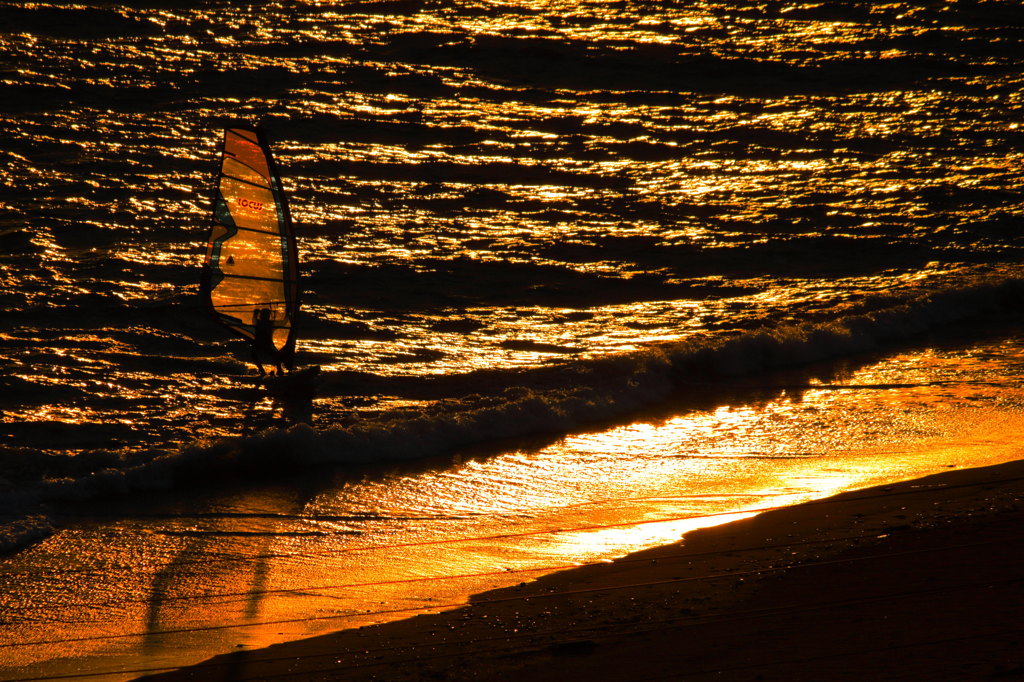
263 350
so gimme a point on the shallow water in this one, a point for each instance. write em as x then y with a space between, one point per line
533 235
141 583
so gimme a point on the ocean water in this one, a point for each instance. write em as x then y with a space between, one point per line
575 273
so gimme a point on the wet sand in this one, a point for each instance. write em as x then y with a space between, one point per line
918 580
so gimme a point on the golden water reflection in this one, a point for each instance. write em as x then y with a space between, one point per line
413 144
262 565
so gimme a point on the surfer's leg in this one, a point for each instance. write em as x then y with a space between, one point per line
256 360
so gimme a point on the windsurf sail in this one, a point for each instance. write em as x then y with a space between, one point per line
251 257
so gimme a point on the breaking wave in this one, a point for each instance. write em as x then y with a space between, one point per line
493 405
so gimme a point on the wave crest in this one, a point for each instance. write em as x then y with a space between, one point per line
497 404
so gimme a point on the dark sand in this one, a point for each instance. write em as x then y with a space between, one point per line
922 580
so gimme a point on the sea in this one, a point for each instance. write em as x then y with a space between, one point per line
579 276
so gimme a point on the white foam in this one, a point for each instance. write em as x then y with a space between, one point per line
556 401
17 533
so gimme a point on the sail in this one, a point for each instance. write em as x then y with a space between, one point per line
251 259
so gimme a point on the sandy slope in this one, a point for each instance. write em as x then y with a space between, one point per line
920 580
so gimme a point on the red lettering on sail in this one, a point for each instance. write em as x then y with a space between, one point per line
251 205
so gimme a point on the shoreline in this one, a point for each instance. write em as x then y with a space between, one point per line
914 580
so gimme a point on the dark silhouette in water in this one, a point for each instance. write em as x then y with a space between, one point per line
294 394
263 349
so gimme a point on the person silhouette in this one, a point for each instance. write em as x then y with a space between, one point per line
263 350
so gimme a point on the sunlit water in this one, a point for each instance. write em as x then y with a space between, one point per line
517 220
136 584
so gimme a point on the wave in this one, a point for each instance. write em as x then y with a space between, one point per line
491 405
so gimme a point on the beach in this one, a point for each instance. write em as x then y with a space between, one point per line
915 580
575 279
